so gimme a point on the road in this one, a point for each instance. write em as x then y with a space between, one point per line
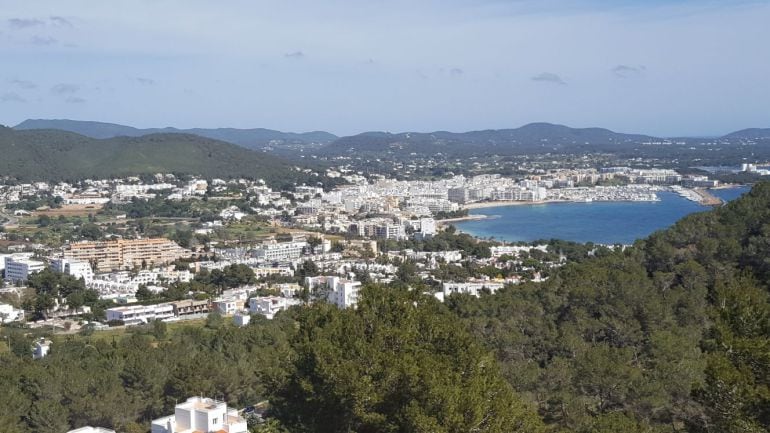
12 220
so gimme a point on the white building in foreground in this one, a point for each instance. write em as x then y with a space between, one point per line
201 415
89 429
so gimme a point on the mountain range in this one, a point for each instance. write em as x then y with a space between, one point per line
69 148
531 138
528 139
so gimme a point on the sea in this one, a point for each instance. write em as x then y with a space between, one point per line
597 222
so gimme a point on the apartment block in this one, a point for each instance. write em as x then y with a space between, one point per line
280 251
78 269
19 267
137 314
125 253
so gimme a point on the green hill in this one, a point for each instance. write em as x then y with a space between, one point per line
59 155
670 335
252 138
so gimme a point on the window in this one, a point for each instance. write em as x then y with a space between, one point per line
215 421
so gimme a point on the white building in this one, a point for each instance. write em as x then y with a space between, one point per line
472 287
89 429
228 306
9 314
77 269
137 314
41 348
340 292
18 268
269 305
427 227
203 415
389 231
279 251
241 319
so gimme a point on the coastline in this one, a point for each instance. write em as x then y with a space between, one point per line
500 203
707 198
461 219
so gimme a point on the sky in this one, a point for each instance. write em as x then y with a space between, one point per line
662 67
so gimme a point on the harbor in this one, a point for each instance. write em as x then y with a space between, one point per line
698 195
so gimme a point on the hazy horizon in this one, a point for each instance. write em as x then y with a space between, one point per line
663 68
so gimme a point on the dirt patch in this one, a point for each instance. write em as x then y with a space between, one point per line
71 210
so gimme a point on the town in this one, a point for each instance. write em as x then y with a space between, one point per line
130 251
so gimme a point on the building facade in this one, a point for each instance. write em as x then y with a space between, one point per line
280 251
202 415
19 268
78 269
138 314
125 253
338 291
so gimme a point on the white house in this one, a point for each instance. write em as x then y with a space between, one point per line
9 314
241 319
228 306
41 348
269 305
340 292
89 429
200 414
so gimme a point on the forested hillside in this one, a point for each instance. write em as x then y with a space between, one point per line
253 138
58 155
671 335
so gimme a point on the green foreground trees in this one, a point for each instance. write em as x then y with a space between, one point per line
398 363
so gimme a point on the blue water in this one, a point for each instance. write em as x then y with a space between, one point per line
599 222
729 193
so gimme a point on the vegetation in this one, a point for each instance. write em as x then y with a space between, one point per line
671 335
397 363
58 155
324 369
447 240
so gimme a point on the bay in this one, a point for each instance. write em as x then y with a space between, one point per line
598 222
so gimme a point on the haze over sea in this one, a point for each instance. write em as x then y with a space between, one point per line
598 222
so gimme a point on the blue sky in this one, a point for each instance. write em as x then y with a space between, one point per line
658 67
